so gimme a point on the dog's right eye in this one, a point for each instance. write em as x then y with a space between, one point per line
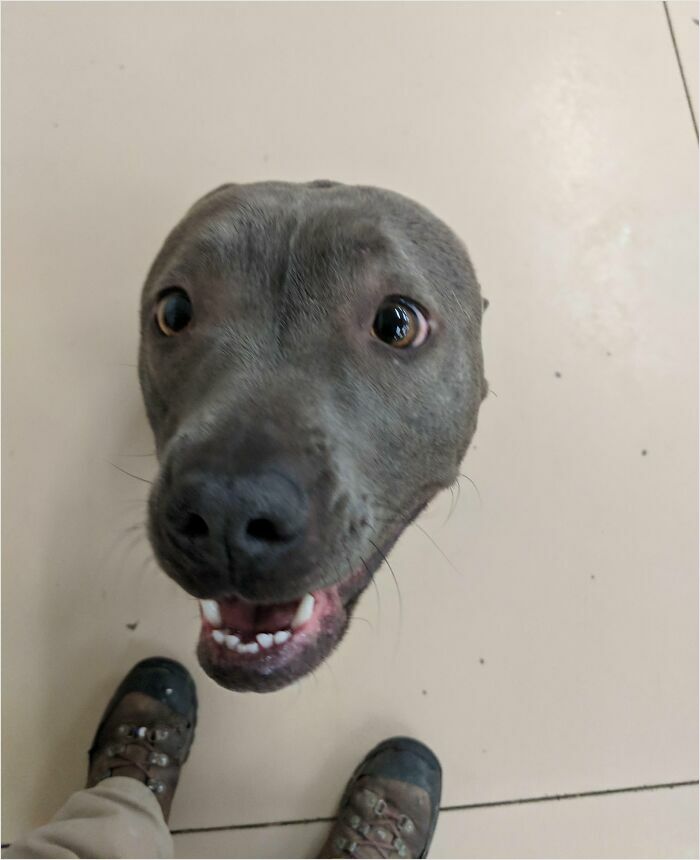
173 312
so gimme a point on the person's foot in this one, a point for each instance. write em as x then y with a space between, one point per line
147 728
390 806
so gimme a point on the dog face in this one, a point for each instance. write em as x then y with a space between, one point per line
312 370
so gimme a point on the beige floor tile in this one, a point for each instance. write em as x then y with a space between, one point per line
660 823
644 824
684 16
556 650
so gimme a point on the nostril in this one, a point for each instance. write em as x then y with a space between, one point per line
265 530
195 527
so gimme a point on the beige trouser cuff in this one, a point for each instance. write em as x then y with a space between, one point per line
119 817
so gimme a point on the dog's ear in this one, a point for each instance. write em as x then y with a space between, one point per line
484 388
484 303
209 196
214 192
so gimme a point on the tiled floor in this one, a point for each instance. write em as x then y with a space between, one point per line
548 644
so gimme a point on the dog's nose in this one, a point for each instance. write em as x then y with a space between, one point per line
251 519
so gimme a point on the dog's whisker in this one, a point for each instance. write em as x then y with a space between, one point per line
454 501
432 540
376 590
462 475
136 477
398 593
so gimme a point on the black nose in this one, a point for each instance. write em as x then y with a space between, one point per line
249 520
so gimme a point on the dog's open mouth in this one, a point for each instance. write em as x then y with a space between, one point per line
262 647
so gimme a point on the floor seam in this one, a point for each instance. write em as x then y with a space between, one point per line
680 68
454 808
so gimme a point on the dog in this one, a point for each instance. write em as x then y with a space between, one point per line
311 366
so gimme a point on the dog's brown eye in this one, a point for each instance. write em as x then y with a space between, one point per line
400 323
174 312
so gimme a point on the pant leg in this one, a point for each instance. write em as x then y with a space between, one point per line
117 818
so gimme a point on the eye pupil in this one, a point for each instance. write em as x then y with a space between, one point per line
392 324
177 312
401 322
174 312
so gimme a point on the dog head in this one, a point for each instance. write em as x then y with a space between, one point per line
312 370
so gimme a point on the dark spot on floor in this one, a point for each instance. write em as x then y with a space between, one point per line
557 374
481 660
133 626
644 452
54 124
593 576
121 67
608 354
424 692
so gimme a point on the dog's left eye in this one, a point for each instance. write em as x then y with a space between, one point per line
401 323
174 312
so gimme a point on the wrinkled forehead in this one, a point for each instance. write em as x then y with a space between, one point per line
291 241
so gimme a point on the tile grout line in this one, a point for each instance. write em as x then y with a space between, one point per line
680 68
549 797
542 799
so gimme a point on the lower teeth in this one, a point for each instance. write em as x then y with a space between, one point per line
264 641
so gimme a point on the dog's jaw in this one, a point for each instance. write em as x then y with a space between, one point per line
265 660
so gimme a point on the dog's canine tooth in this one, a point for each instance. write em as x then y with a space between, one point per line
265 639
218 636
281 637
231 641
304 610
210 610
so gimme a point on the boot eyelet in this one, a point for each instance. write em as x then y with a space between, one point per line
159 734
159 759
369 798
405 824
156 786
114 749
124 731
380 806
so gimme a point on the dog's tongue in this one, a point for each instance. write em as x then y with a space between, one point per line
256 617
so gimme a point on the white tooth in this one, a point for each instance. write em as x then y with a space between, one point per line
210 609
217 636
304 611
231 642
250 648
265 639
281 636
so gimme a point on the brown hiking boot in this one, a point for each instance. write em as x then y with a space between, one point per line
147 728
390 806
